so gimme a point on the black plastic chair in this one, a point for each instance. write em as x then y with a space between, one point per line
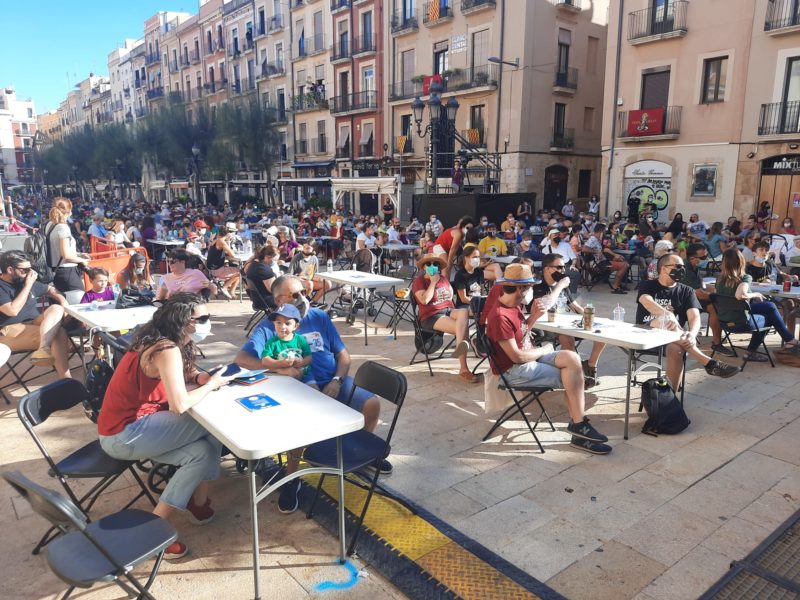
363 449
87 462
425 339
262 305
532 394
18 373
104 551
399 308
728 304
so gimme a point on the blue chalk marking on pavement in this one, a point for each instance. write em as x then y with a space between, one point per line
340 585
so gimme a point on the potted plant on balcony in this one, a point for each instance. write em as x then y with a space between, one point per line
418 79
481 78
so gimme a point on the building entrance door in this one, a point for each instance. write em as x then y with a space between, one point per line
556 178
780 187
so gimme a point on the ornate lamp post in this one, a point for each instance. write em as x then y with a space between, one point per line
435 124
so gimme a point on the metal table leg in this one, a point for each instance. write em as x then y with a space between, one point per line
251 464
628 392
366 292
340 465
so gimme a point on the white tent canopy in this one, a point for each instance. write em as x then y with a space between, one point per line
367 185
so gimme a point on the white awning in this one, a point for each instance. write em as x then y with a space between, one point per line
344 135
366 134
389 186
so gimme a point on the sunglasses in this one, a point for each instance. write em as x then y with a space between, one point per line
431 264
25 270
172 261
201 319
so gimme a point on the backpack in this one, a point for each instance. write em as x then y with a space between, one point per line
37 247
664 412
428 342
98 376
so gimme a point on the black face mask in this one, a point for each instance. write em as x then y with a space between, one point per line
492 234
558 276
678 273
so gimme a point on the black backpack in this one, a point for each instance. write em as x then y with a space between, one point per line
98 376
664 412
37 247
428 342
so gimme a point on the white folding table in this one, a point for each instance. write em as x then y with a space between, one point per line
776 290
364 282
630 338
302 416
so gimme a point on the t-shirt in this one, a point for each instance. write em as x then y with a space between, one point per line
504 323
369 242
191 280
540 290
692 277
713 244
29 311
595 246
92 296
471 282
491 301
56 234
304 266
493 246
758 273
563 248
677 299
258 272
321 335
739 317
698 229
442 296
297 347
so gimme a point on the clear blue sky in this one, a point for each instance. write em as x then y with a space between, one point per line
45 40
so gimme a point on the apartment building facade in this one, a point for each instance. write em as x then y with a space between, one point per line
18 127
49 124
120 74
538 114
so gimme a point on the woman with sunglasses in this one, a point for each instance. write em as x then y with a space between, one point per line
144 416
182 278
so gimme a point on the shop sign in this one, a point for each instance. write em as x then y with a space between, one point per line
458 43
781 165
649 168
648 182
646 121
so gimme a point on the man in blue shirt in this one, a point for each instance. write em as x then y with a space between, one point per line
330 363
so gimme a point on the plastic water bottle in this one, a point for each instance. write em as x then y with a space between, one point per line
330 266
619 313
117 291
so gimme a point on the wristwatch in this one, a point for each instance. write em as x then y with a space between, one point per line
337 379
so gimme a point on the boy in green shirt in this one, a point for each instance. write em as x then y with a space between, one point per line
285 349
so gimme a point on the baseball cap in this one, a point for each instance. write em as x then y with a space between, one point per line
288 311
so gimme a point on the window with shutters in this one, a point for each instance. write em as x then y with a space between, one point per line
655 88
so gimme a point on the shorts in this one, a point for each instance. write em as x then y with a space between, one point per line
540 373
359 398
617 265
21 336
225 272
67 279
431 321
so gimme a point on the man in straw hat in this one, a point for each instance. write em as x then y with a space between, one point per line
434 297
523 364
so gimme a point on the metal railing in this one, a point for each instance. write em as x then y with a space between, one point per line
404 23
782 13
173 66
275 23
309 101
460 79
405 89
566 78
138 83
365 150
155 92
296 4
234 49
779 117
272 69
363 44
671 124
408 145
470 5
337 5
308 46
569 3
150 59
563 138
277 115
302 147
434 12
234 5
475 137
341 50
663 22
343 152
319 145
184 61
194 56
358 101
140 112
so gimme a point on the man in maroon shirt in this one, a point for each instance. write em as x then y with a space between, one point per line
514 356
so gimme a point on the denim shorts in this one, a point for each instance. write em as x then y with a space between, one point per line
359 398
540 373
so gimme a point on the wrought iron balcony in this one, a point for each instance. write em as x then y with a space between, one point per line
140 112
454 80
184 61
194 57
435 13
276 115
782 15
649 124
471 6
151 59
343 152
779 118
562 140
364 44
366 150
360 101
407 144
319 145
309 102
275 23
273 69
156 92
565 81
652 24
173 66
403 23
405 89
337 5
296 4
234 5
569 5
302 147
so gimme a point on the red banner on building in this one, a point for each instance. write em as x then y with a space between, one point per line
646 121
427 81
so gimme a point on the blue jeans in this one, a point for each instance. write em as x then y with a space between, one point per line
766 314
173 439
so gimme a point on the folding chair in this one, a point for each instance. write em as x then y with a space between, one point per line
262 305
423 337
641 366
363 449
18 372
400 307
711 265
107 550
532 394
730 303
87 462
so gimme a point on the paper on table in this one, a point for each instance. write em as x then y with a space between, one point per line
244 373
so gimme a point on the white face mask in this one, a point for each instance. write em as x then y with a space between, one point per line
527 297
139 270
201 331
475 262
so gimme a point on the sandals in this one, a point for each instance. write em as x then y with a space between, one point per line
469 377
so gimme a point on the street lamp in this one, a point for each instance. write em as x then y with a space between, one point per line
196 172
433 128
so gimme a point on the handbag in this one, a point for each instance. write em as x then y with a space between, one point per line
131 297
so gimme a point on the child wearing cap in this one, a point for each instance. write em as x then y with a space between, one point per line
285 349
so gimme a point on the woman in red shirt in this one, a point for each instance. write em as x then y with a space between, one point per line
434 297
144 410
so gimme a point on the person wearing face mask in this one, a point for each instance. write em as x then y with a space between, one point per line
664 303
483 223
305 265
522 364
183 278
568 210
450 241
471 275
330 364
22 326
136 275
144 416
492 245
555 286
788 227
434 297
434 225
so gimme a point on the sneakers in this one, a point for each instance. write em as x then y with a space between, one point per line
589 446
589 375
722 349
461 349
175 550
618 290
200 515
721 369
386 467
584 430
288 500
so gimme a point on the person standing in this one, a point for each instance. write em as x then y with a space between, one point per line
388 210
524 213
64 256
594 206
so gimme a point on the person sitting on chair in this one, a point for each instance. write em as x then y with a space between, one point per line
605 255
434 297
305 265
522 364
22 327
136 275
218 253
261 272
181 278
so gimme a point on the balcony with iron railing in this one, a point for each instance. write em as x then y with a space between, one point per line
293 4
235 49
343 153
319 145
194 57
151 59
302 147
403 24
407 146
260 30
140 112
277 115
364 44
210 48
156 92
435 13
565 81
779 118
234 5
569 5
357 102
274 68
405 89
173 66
138 83
646 124
248 43
184 61
177 96
562 139
236 87
275 23
653 24
309 102
783 16
338 5
366 150
454 80
340 51
475 137
471 6
308 46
